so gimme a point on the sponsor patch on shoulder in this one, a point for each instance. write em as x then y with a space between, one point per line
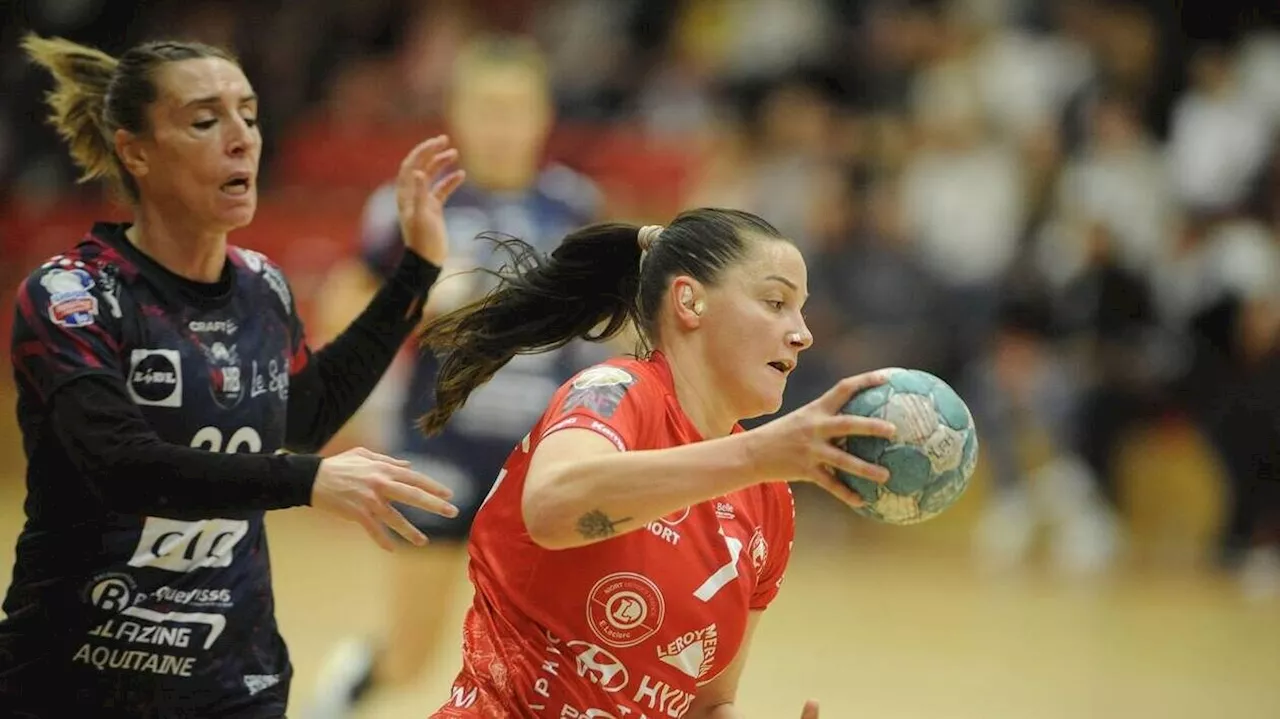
71 304
598 389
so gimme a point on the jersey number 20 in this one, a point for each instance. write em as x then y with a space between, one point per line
245 438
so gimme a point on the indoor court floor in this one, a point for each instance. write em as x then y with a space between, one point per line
875 622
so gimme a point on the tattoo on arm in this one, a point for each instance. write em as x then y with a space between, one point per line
597 525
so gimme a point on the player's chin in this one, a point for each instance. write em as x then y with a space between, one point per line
234 217
766 400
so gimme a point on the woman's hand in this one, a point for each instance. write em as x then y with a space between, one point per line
800 445
359 485
421 191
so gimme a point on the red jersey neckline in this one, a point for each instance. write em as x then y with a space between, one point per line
658 360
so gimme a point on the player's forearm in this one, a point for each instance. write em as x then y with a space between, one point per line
588 500
135 472
340 377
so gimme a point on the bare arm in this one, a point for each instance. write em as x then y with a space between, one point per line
580 489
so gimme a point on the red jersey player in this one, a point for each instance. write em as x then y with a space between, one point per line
633 538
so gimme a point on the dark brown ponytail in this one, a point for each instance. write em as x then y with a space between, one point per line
594 279
541 303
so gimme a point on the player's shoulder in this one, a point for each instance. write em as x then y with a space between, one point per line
616 390
70 284
90 255
259 273
251 260
626 373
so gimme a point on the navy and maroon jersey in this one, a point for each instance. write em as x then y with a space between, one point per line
154 411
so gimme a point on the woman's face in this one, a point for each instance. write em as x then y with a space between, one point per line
199 162
755 326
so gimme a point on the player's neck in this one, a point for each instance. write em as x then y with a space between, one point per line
188 253
710 414
500 182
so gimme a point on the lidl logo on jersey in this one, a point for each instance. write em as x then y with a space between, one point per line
155 377
692 652
70 302
187 546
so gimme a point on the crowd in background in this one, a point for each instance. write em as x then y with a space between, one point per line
1070 209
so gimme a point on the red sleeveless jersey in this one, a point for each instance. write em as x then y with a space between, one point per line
630 627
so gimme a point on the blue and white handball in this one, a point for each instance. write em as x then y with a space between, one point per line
930 460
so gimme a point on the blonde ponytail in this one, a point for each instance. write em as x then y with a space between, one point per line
82 76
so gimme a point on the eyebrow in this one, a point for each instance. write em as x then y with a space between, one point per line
215 99
787 282
783 280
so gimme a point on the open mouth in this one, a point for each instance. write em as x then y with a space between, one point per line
237 185
783 366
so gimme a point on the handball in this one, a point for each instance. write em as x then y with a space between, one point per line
931 458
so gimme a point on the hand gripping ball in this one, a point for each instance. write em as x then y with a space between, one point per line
930 460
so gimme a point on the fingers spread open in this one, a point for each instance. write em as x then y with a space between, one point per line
417 497
419 480
848 425
374 529
423 149
835 457
397 522
370 454
829 482
844 390
447 184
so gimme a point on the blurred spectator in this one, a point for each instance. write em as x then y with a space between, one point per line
964 205
1228 298
1220 135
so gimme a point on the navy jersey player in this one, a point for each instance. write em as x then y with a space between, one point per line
167 398
499 112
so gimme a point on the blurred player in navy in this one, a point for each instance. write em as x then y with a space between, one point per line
500 112
161 374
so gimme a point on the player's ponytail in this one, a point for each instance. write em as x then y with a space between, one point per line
82 76
586 288
600 279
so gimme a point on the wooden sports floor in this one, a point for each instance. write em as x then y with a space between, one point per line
892 623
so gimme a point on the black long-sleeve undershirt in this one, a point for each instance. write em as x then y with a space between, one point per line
134 471
340 377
